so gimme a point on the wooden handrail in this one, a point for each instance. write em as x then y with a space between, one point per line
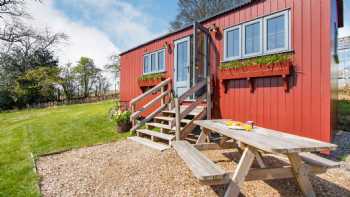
193 105
192 90
178 101
153 90
150 104
161 98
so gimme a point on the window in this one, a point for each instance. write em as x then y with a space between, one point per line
154 62
232 43
146 67
161 60
252 38
266 35
276 32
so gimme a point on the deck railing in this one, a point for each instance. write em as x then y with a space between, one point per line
206 96
165 92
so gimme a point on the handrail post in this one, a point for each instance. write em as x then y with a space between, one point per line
162 90
209 98
177 119
133 120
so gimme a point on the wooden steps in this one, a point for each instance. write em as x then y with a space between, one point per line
164 139
155 134
202 168
149 143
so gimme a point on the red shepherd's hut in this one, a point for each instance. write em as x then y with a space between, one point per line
269 61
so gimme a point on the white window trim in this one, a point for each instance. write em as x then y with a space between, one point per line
260 21
225 43
263 34
286 33
149 62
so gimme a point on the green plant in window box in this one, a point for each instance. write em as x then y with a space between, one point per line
262 60
153 76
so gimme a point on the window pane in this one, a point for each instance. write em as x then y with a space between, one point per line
161 60
153 63
146 64
252 38
275 33
232 45
182 61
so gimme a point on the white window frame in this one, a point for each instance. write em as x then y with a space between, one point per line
263 36
226 58
286 33
156 63
260 52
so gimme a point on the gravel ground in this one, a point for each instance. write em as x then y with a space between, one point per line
129 169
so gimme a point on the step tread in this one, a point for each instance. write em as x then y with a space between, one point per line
194 112
149 143
166 118
156 134
159 125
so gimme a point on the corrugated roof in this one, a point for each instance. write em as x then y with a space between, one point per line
234 7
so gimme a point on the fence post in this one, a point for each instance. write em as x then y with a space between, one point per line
177 119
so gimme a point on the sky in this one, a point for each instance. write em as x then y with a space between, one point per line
101 28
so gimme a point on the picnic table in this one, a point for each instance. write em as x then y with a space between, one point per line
252 144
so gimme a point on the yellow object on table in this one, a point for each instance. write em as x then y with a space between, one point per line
246 127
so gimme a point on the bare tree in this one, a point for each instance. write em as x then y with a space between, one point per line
114 67
194 10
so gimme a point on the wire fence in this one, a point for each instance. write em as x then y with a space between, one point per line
91 99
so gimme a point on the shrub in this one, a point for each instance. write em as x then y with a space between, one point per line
6 101
121 117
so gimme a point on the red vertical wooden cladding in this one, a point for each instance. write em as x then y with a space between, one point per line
304 110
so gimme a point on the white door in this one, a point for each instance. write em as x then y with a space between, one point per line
181 66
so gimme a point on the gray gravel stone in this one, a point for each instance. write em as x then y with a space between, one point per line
129 169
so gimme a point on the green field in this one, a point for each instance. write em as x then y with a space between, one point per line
42 131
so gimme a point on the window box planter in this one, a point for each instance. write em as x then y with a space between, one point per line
282 69
150 80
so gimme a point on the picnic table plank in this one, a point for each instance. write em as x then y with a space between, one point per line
267 139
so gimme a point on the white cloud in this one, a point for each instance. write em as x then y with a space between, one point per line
83 40
345 31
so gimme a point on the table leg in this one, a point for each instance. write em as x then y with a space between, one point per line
301 173
259 159
241 172
203 136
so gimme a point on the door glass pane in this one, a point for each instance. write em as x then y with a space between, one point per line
153 63
145 64
182 61
276 33
252 38
232 43
161 60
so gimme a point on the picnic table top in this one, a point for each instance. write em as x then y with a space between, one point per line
267 139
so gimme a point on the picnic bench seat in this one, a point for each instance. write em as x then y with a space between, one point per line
202 168
315 160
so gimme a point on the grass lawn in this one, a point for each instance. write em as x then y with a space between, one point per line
42 131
